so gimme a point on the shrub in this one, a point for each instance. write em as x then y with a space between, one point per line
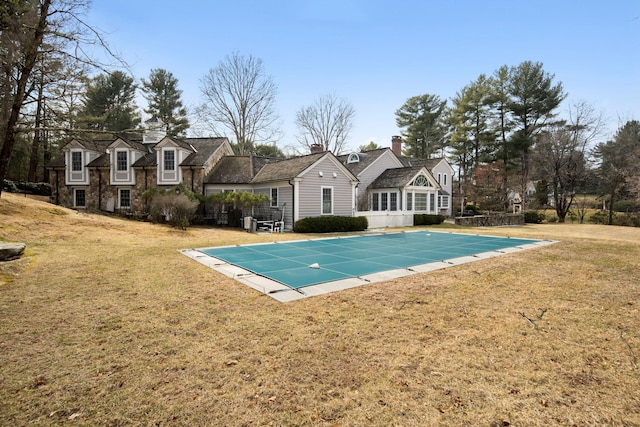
39 188
600 217
175 209
426 219
533 217
330 224
473 208
628 220
626 206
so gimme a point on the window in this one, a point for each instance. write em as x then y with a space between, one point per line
393 201
421 181
421 202
444 179
274 197
353 158
169 160
439 178
443 202
76 161
125 197
121 161
327 200
432 200
383 201
79 198
409 201
376 202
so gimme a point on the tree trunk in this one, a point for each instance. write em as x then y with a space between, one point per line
34 160
30 56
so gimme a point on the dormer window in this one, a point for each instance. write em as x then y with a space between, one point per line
353 158
76 161
169 160
122 165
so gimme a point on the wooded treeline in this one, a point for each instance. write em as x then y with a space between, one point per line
505 133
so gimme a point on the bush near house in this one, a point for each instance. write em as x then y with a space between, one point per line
427 219
330 224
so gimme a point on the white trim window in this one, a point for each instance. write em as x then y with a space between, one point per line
122 161
76 161
327 201
124 198
79 198
274 197
421 202
393 201
169 158
443 202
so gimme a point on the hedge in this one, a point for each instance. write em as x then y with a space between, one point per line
427 219
330 224
534 217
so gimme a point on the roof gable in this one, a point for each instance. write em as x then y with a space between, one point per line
403 177
367 159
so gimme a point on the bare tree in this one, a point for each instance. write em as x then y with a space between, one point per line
562 151
30 30
327 122
240 98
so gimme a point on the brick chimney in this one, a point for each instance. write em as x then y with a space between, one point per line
316 148
396 145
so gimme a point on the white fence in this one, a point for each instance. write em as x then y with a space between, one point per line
387 219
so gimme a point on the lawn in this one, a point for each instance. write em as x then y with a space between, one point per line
105 323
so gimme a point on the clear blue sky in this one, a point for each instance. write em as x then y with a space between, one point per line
377 54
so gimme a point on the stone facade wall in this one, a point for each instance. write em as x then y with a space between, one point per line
146 179
493 220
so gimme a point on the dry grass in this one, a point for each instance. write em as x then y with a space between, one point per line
105 323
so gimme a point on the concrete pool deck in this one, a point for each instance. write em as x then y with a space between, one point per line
284 293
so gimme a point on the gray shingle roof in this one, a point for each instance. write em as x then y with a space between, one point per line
366 158
204 147
427 163
147 160
286 169
396 178
231 170
101 161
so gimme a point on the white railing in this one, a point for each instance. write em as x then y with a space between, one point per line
387 219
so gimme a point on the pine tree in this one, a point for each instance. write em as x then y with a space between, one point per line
109 103
162 93
420 119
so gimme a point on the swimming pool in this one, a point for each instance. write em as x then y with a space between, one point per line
339 261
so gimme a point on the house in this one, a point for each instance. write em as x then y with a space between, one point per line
312 185
393 188
112 175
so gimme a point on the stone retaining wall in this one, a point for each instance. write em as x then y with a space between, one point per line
493 220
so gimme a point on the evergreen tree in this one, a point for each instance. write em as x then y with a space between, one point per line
162 93
619 160
472 138
420 119
109 103
533 100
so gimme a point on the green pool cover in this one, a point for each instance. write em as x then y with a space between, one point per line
305 263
